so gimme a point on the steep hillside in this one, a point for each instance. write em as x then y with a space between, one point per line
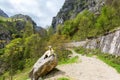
20 40
14 27
72 7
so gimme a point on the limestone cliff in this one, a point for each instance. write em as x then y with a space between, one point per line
109 43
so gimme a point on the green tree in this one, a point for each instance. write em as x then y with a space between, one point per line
14 55
107 20
59 46
50 31
32 46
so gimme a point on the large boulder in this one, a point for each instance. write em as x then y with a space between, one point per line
43 66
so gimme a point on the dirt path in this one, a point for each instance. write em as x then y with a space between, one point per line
88 68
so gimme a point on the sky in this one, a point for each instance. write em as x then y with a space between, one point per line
41 11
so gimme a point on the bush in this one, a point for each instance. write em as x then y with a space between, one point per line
57 42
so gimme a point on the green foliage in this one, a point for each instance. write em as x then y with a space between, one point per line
63 78
1 51
50 31
28 29
21 75
21 53
31 45
69 60
34 47
109 59
14 55
57 42
107 20
80 26
68 28
24 48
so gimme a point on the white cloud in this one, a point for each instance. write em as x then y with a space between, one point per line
41 11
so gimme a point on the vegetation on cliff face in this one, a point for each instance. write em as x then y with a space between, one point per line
89 25
71 8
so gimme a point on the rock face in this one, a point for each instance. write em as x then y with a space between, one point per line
24 17
41 31
72 7
3 14
5 37
109 43
43 66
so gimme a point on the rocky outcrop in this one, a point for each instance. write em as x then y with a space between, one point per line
43 66
109 43
5 37
72 7
3 14
24 17
41 31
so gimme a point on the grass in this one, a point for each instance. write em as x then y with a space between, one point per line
69 61
23 75
114 62
111 60
63 78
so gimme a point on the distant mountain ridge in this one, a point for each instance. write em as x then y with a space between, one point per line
3 14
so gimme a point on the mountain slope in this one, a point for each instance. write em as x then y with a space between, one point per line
20 41
14 27
72 7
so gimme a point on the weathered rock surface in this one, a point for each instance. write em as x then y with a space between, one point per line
72 7
43 66
5 37
109 43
